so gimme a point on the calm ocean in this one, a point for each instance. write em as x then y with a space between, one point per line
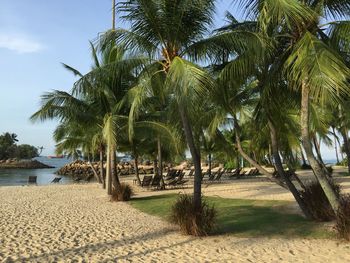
10 177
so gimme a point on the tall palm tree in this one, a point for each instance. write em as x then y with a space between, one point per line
311 63
166 31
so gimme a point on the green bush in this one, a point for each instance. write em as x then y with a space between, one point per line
305 167
191 222
123 193
343 218
329 169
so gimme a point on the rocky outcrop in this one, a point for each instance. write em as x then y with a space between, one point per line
22 164
79 169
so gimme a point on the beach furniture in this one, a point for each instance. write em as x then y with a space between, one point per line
146 181
56 180
170 175
218 177
32 179
191 173
180 180
156 181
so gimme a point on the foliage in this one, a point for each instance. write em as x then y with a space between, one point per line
190 221
123 193
343 218
26 151
9 149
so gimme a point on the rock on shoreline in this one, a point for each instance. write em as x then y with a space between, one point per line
78 169
23 164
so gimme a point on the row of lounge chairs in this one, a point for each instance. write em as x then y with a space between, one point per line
174 178
32 179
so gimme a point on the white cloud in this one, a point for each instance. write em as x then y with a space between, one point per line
20 44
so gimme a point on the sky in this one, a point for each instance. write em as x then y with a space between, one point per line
36 36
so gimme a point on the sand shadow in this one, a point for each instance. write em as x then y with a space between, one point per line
103 246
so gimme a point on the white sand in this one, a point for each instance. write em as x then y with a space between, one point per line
77 223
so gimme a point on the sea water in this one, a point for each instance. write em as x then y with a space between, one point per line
9 177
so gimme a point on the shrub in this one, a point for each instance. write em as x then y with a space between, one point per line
123 193
191 222
317 202
305 167
343 218
329 169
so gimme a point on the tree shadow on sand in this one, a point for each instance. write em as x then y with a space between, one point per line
99 248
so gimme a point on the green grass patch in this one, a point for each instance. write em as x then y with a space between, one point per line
343 173
245 218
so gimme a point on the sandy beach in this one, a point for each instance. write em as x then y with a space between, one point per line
77 223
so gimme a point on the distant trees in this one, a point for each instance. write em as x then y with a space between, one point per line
9 148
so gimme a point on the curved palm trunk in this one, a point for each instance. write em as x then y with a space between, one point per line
197 185
98 178
344 134
280 170
318 170
319 156
252 162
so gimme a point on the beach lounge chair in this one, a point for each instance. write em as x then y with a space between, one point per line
56 180
218 177
180 180
156 181
212 176
234 173
32 179
146 181
171 175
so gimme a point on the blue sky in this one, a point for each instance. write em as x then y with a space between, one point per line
35 37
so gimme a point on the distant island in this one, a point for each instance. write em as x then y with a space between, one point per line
18 156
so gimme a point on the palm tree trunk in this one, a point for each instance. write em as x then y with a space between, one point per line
319 156
114 173
317 149
108 172
197 185
344 134
102 173
98 178
335 144
319 172
136 163
249 159
209 163
160 163
280 170
302 156
155 167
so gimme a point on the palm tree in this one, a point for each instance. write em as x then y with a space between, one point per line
310 61
167 31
